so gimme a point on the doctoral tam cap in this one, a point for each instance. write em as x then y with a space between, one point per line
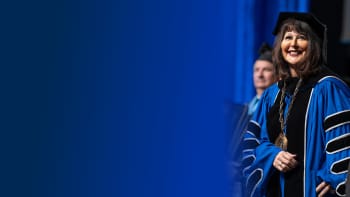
319 28
265 52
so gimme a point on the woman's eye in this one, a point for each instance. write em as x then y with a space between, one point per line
302 37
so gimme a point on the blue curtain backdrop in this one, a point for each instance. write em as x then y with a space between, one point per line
124 98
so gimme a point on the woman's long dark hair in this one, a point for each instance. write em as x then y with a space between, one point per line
313 58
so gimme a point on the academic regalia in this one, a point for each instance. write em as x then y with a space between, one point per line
239 117
323 148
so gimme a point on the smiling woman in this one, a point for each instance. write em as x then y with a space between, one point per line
301 43
298 118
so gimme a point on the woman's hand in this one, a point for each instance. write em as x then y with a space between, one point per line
323 188
285 161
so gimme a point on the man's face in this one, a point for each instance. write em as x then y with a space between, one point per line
264 74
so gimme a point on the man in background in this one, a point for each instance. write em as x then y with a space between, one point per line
264 75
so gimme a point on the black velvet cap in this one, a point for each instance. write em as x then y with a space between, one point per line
319 28
265 52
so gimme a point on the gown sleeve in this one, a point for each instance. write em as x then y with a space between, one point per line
333 101
258 152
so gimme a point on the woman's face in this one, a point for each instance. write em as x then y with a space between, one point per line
294 46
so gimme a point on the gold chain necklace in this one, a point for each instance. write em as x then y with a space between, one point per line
282 140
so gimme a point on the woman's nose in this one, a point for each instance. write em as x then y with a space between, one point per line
294 42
